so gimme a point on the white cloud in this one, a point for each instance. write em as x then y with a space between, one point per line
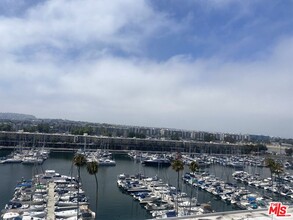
223 4
205 94
65 24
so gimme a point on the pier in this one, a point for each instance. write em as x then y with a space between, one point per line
51 202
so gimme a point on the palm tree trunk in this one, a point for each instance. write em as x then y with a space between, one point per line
279 186
272 184
97 191
177 191
191 196
78 185
178 180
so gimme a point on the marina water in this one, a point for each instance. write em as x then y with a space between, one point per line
112 203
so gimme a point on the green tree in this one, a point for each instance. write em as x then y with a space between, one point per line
140 135
175 137
43 128
30 128
230 139
270 163
92 169
193 166
79 161
131 134
5 127
289 151
209 137
177 166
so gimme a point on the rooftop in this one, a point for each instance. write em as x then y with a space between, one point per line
259 214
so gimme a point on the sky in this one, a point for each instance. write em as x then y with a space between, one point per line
203 65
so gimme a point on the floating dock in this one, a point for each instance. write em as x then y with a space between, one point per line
51 202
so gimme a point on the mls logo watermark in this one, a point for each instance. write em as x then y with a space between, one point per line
278 209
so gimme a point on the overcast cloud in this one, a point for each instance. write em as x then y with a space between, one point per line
195 65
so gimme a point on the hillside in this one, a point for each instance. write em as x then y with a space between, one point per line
16 116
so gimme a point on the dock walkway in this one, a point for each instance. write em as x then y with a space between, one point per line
51 202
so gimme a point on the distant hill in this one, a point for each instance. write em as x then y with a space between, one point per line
16 116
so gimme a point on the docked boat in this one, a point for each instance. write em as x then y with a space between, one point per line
32 160
158 197
35 199
31 157
157 161
66 213
38 214
13 159
70 203
106 162
10 215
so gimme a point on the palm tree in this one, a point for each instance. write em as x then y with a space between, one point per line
278 169
275 168
193 166
92 169
177 165
79 161
270 163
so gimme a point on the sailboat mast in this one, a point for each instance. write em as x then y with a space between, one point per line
84 147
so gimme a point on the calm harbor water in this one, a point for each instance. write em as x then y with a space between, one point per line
112 203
